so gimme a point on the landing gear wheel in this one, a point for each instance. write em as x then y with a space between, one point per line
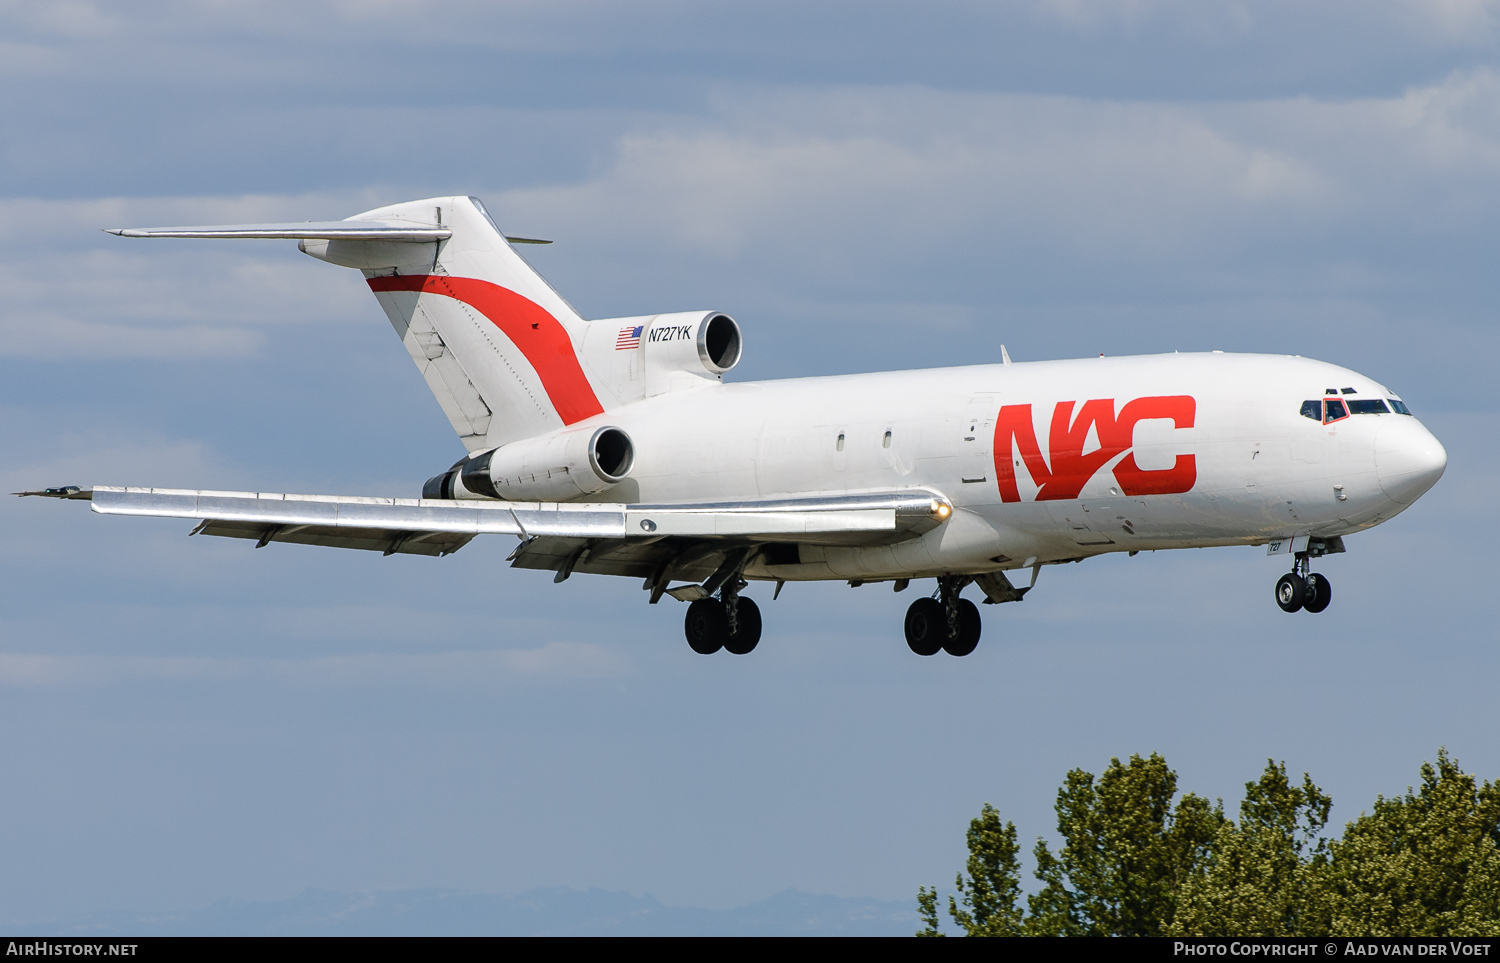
747 619
1291 592
926 626
968 630
706 626
1319 593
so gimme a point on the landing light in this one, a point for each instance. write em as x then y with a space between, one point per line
940 509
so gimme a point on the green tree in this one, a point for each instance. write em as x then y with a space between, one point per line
986 904
1422 864
1262 877
928 911
1133 864
1126 851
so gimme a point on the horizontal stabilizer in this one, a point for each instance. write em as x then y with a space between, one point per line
312 231
298 230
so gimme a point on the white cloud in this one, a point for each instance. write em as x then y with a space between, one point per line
84 450
62 338
77 293
860 177
61 19
1093 14
1456 22
1466 21
834 188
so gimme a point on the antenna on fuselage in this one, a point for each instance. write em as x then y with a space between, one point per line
1004 355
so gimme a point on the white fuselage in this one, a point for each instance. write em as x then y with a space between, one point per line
1217 454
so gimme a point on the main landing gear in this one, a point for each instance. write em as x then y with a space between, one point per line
1303 588
946 623
730 622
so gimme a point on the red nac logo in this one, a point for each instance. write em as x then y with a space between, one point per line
1070 468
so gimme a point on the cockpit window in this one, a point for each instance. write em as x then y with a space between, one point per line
1334 410
1369 406
1313 410
1348 391
1400 407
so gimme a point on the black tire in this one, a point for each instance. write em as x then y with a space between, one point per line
926 626
1291 592
747 614
969 625
706 626
1319 593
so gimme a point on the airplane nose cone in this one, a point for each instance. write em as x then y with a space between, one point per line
1408 460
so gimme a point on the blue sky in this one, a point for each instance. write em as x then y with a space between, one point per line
863 186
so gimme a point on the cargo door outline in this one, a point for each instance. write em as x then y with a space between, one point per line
976 440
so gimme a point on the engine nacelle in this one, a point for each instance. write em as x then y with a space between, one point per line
564 465
656 353
701 344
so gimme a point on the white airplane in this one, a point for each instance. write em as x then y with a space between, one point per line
614 447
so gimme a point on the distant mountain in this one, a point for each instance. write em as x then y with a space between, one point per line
557 911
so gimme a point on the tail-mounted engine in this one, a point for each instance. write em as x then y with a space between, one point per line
702 344
656 353
564 465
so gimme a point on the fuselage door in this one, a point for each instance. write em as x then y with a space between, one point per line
976 463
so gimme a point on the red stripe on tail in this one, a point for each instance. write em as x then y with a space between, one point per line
539 336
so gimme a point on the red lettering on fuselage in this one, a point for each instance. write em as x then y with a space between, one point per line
1070 468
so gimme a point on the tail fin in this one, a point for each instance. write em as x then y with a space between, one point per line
497 346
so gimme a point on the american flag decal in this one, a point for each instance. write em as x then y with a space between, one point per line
629 338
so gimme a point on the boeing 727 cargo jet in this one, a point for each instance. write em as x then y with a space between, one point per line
614 447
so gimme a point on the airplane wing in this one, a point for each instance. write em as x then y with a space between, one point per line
683 540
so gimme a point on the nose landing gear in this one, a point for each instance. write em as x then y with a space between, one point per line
946 623
1303 589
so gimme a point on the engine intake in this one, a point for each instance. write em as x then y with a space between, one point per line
684 350
561 466
719 343
641 357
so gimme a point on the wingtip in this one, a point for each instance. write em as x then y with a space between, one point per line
65 491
